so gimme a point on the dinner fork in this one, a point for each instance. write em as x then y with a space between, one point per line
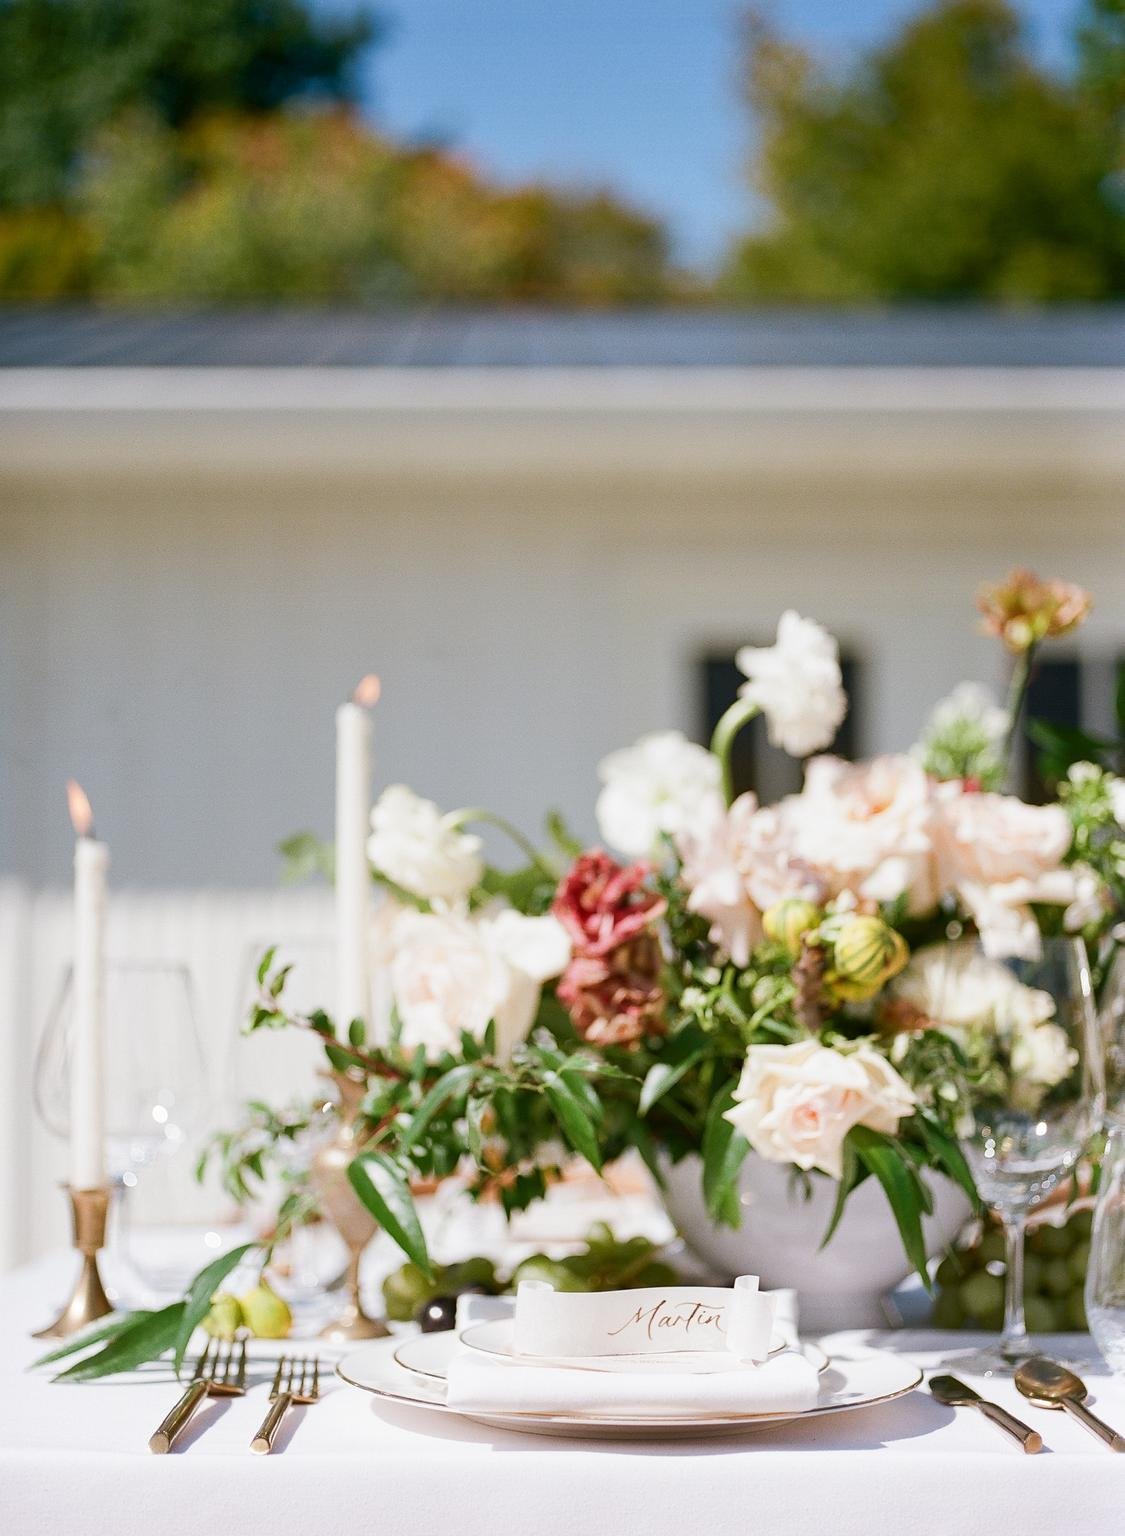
222 1374
295 1381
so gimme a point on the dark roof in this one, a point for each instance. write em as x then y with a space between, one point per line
902 337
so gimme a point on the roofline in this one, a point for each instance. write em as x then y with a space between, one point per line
543 390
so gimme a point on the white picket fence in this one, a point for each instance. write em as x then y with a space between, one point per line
215 934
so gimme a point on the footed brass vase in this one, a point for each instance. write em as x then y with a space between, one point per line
339 1204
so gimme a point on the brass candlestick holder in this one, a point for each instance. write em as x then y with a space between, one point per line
89 1209
338 1201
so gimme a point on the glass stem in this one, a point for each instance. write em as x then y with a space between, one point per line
1013 1341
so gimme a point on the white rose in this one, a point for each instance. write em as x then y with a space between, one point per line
418 848
961 989
796 1103
1042 1055
452 973
654 786
796 683
709 849
868 828
998 856
1117 800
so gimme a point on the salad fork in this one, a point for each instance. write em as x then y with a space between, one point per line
295 1382
222 1374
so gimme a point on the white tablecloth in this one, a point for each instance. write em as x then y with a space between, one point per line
74 1461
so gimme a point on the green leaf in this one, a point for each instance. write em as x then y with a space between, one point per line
944 1150
357 1033
380 1184
848 1179
882 1156
574 1118
561 835
454 1082
662 1077
265 965
342 1060
197 1302
149 1335
724 1151
108 1328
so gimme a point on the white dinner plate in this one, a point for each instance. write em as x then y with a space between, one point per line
860 1378
428 1354
497 1337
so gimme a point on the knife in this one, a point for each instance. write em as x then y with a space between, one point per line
955 1394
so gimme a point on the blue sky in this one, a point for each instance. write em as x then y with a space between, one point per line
640 95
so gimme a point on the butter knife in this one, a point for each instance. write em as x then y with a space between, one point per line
955 1394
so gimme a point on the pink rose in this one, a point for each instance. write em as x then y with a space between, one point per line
868 828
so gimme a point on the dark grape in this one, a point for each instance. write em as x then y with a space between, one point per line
438 1315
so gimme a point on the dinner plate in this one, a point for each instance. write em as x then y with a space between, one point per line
858 1378
428 1354
497 1337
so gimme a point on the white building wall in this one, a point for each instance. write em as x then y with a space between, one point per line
185 598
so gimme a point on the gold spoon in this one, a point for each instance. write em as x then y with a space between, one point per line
1048 1385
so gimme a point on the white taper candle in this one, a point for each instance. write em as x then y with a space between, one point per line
87 1046
353 878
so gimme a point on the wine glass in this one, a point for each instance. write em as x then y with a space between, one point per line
1031 1090
155 1082
1105 1271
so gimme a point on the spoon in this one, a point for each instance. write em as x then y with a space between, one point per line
955 1394
1048 1385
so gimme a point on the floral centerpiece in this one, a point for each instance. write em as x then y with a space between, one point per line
732 977
724 978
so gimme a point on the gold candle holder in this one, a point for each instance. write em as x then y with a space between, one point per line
339 1202
89 1209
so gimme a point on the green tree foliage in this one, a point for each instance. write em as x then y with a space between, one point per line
946 165
68 67
157 151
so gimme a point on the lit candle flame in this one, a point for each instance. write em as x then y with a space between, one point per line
81 815
367 691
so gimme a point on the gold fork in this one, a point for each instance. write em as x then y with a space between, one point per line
295 1381
222 1374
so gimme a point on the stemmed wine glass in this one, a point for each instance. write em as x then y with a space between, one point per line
1032 1091
155 1082
1105 1271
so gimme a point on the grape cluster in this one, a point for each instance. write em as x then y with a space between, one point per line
970 1279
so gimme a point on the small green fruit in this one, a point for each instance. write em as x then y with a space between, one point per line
948 1311
981 1294
1076 1311
266 1314
225 1317
1040 1316
1052 1241
991 1247
1057 1279
555 1273
787 922
1080 1259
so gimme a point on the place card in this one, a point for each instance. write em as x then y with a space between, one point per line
661 1320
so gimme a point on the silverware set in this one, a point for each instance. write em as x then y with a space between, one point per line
220 1371
1045 1384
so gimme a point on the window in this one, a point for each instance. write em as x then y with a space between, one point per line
755 764
1071 692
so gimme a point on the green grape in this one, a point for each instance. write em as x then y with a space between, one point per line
555 1272
1051 1241
1081 1222
1076 1311
1056 1277
1040 1316
1079 1259
470 1272
991 1321
951 1271
980 1294
948 1311
991 1247
1033 1267
407 1289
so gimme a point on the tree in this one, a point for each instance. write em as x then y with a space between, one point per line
946 165
68 67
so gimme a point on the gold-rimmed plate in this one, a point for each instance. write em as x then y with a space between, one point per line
855 1379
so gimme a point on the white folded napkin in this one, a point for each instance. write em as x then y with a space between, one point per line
787 1383
477 1383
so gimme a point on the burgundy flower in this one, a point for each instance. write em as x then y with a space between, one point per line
603 905
612 985
616 1000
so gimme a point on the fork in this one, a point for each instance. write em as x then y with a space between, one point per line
222 1374
294 1382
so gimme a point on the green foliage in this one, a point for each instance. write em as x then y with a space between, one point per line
70 67
945 165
